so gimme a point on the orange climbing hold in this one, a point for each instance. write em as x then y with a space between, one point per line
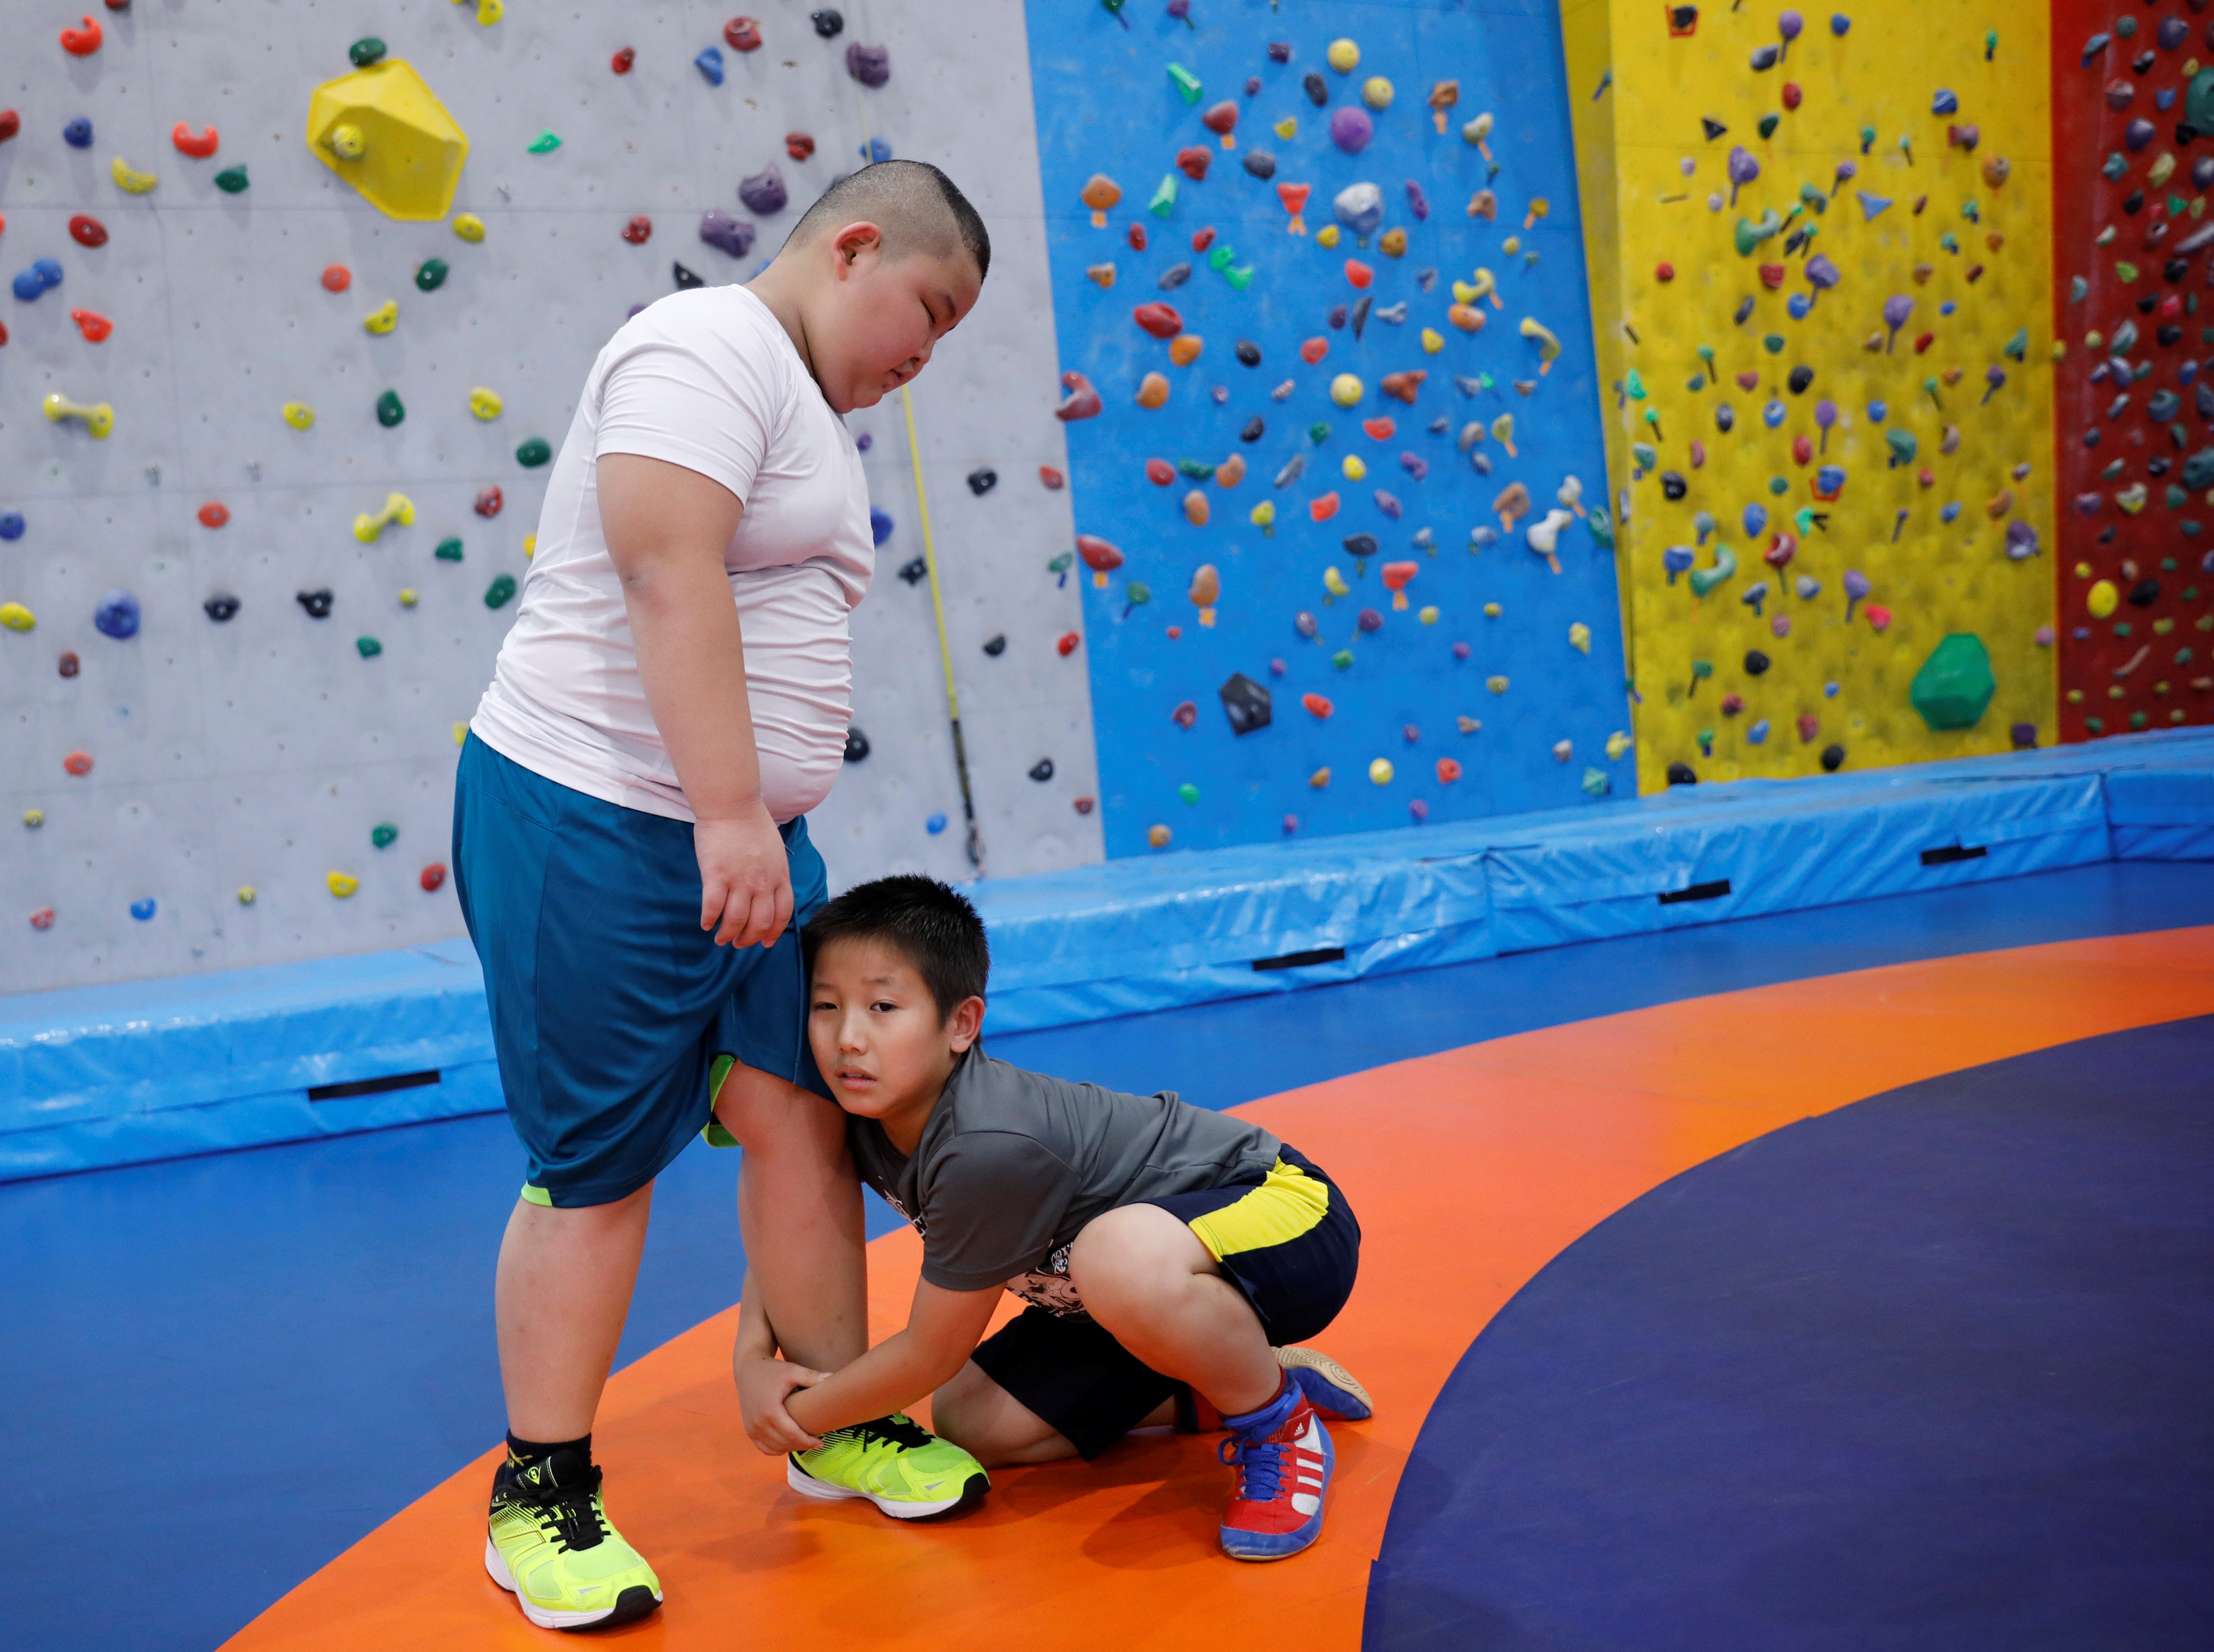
1195 511
1153 390
1317 704
78 763
1403 386
198 148
1379 429
1396 576
1324 509
1099 192
214 514
1231 471
1314 350
1206 589
94 325
1359 273
337 278
1467 318
1184 348
1054 480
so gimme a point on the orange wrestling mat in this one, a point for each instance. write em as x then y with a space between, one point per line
1469 1170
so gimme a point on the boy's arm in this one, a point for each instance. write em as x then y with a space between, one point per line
666 528
943 1329
765 1382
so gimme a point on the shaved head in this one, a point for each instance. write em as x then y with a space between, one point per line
916 205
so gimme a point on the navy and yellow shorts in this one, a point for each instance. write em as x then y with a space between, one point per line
1290 1244
612 1010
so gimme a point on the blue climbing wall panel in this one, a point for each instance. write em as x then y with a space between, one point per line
1402 692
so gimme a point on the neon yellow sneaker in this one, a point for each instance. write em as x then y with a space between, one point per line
907 1471
551 1546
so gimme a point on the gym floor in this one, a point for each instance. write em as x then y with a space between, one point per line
1838 1279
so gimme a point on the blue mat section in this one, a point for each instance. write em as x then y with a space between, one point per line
1930 1371
269 1307
147 1070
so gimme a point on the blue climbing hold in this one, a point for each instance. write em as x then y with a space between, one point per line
1870 205
1677 558
117 616
144 909
1773 415
880 524
935 824
1944 103
1876 410
710 64
1840 22
1798 304
78 133
38 278
1758 734
1755 518
875 150
11 525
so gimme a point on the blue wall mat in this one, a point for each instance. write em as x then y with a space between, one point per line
1107 103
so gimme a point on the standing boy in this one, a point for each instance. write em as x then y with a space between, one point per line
1168 1252
630 845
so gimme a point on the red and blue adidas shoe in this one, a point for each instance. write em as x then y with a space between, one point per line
1329 1386
1283 1458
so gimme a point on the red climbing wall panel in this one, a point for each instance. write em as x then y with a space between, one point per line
2133 401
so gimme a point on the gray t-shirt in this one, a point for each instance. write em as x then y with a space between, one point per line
1012 1164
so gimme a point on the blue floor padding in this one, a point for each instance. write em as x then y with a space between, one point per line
201 1339
1931 1371
138 1071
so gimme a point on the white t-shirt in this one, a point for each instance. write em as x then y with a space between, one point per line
708 379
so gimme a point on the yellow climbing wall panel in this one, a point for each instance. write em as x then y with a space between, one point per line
1962 232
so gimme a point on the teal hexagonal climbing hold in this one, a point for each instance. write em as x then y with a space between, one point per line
1954 685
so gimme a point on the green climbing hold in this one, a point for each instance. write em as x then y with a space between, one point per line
1645 455
1239 278
1751 235
1165 198
1703 580
232 179
1602 528
533 453
368 647
545 144
1138 592
1633 385
1902 445
1778 486
1342 659
501 588
365 50
1197 469
382 834
388 409
1954 684
1219 260
430 274
1768 124
2124 271
1188 791
449 550
1317 433
1185 82
2199 102
2176 498
1772 343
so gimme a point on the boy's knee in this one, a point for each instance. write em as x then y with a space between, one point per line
959 1409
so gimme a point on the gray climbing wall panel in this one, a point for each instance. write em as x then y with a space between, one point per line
262 752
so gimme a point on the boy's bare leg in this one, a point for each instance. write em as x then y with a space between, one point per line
563 1291
996 1428
799 1217
1145 1276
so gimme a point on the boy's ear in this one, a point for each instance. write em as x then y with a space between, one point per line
963 1026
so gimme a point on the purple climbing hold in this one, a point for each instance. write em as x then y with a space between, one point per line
1369 620
2202 173
1821 273
1766 57
2020 540
1279 52
1743 169
872 65
1388 505
764 192
1857 587
1788 24
1350 129
2119 91
1896 309
2138 134
1305 624
1417 202
2172 33
726 234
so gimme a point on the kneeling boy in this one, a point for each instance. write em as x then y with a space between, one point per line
1170 1254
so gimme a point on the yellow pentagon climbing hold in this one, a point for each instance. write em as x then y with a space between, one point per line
1287 129
16 617
1327 235
383 318
1617 743
384 132
468 226
484 404
129 179
340 884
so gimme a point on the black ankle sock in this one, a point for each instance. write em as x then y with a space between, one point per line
527 1451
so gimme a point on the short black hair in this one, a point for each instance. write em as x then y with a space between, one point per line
932 927
916 205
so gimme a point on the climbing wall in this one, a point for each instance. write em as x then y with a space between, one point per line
1835 383
1333 440
233 665
2133 124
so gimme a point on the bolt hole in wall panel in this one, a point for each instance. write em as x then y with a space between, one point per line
265 749
2133 126
1418 636
1835 258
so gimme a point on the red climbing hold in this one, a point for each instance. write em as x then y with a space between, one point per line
1317 704
488 502
67 665
1137 237
10 124
1068 645
1923 341
741 34
1314 350
1359 273
1159 319
1220 118
1184 715
1160 472
1809 726
637 231
198 148
1324 509
78 763
43 918
82 42
337 278
214 514
1080 398
1878 618
1792 96
94 325
1802 449
1053 478
1772 276
1448 771
1664 271
434 875
88 232
799 146
1193 162
1381 430
1100 556
622 60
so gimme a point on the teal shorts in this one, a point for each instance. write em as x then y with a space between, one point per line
613 1011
